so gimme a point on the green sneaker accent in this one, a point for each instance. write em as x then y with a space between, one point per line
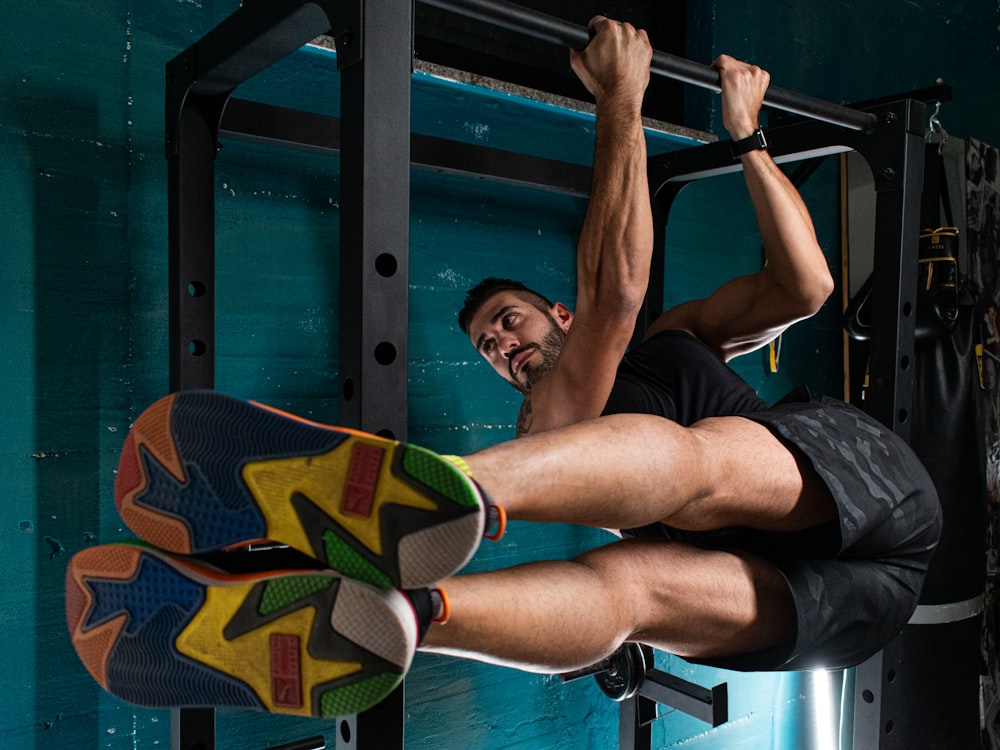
348 699
281 592
346 561
459 462
440 475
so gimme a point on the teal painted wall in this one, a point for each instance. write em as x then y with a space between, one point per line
84 311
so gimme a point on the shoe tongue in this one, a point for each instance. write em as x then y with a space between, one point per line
420 599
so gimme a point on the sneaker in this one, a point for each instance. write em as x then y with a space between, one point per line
202 471
165 632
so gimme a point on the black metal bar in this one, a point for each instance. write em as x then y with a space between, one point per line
374 240
898 185
869 683
192 729
269 124
257 35
879 696
191 245
374 255
711 705
596 668
558 31
941 92
794 142
634 730
311 743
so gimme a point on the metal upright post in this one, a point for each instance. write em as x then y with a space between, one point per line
191 146
374 237
898 174
880 682
374 252
635 717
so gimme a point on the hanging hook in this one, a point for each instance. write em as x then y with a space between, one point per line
936 129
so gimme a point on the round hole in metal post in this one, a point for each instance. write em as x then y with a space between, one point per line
386 265
385 353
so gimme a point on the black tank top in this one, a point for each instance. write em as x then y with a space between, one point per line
675 375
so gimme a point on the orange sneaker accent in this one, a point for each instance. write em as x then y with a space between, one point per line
151 432
445 608
94 645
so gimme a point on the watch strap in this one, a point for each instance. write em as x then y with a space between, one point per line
754 142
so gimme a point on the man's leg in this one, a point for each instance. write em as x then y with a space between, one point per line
629 470
556 616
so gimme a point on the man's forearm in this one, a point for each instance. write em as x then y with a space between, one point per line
617 235
794 257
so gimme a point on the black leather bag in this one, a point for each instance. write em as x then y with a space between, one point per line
947 426
937 266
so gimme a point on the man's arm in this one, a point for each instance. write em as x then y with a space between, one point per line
748 312
616 240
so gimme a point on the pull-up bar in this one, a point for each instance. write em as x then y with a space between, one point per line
555 30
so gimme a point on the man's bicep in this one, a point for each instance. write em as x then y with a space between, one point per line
743 315
725 321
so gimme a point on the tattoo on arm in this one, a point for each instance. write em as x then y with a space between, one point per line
524 418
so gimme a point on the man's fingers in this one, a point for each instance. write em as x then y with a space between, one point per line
722 61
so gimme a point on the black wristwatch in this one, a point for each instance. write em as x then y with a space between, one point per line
748 144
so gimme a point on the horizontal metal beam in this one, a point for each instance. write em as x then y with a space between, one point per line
711 705
558 31
280 126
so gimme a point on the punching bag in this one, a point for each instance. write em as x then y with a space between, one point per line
940 654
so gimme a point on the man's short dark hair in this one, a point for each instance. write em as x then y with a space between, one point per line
477 296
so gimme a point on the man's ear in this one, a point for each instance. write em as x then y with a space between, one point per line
563 316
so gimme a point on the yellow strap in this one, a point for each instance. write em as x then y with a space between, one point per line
947 231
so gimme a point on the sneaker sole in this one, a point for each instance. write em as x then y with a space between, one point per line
162 632
202 471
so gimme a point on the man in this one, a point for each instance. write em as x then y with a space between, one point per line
762 537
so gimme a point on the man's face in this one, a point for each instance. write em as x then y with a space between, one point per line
521 342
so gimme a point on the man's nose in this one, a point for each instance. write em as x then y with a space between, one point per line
508 345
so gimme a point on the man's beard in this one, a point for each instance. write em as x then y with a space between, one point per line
549 348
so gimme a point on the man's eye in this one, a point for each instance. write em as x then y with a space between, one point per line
487 347
508 321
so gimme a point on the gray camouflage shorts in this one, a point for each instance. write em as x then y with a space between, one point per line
854 582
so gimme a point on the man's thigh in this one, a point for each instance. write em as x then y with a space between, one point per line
697 602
